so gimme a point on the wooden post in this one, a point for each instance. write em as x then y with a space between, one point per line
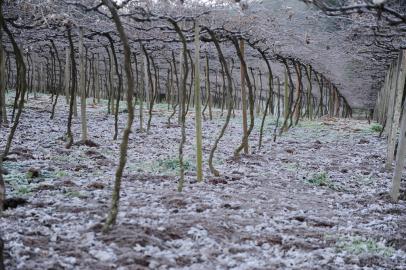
142 91
384 98
208 88
181 74
391 112
244 100
400 158
111 80
96 78
198 107
400 84
41 80
168 89
82 87
148 88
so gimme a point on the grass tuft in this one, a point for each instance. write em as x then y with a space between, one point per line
375 127
173 164
322 179
359 246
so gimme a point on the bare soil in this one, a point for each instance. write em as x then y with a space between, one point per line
314 199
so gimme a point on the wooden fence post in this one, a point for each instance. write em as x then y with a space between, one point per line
400 158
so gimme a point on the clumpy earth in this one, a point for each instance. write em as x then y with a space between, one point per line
314 199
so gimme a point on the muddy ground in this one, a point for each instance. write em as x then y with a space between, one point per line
314 199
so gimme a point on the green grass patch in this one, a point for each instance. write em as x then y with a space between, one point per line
18 183
16 179
319 179
375 127
10 166
358 245
60 174
322 179
23 190
173 164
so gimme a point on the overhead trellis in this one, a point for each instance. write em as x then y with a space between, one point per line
255 57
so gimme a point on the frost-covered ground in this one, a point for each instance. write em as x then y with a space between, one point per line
314 199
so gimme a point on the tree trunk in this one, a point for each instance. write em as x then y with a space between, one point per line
59 80
3 110
1 250
309 92
2 192
244 102
224 65
67 76
150 87
21 81
120 84
69 133
142 91
111 219
184 72
269 101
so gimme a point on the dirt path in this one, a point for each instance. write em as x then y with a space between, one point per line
315 199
